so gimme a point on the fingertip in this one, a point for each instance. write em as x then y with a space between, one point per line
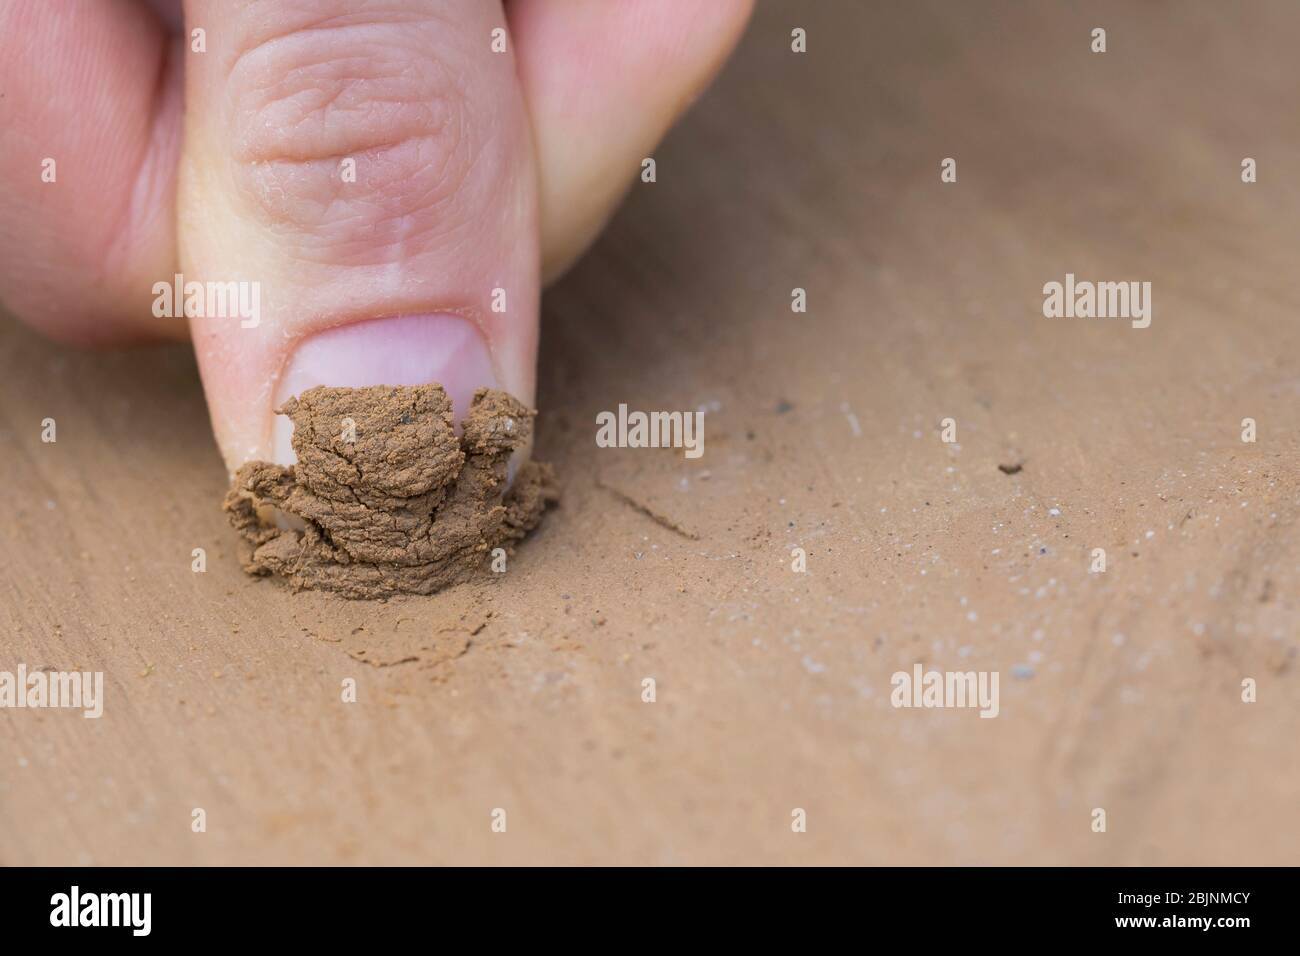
604 82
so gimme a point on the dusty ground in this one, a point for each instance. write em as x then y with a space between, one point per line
1119 690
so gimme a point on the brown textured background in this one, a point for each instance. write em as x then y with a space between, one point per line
818 171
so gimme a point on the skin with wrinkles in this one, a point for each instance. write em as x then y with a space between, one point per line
391 499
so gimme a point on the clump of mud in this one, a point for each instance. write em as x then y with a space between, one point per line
389 499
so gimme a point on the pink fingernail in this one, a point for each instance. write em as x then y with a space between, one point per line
405 350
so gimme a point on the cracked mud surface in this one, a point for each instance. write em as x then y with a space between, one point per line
391 500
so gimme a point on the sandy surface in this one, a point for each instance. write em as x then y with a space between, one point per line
1119 690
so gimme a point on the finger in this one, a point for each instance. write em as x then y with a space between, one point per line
604 81
369 166
89 139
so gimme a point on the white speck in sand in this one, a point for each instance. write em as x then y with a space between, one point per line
811 666
1118 639
1150 534
854 426
1054 512
1022 672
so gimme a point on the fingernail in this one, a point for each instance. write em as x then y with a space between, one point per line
405 350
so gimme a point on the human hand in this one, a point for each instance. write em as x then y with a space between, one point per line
374 175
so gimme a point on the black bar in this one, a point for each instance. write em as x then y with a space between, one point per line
334 906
